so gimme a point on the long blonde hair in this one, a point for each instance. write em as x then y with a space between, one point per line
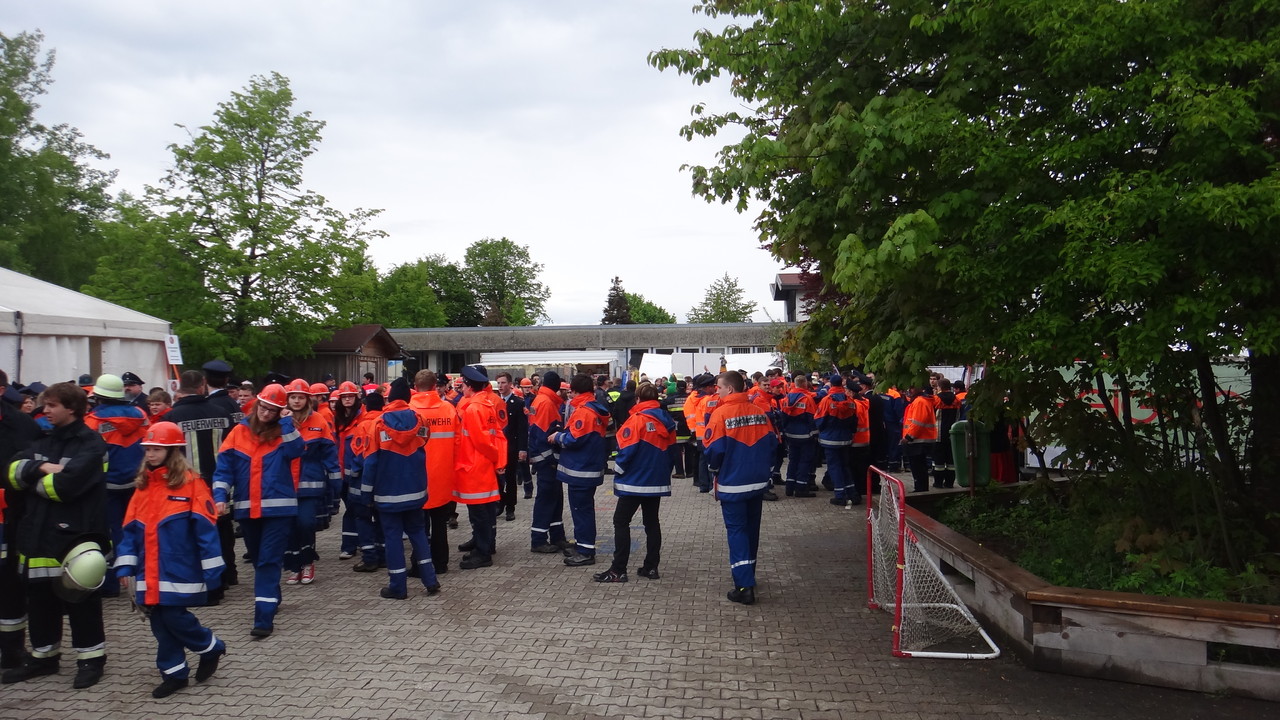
178 473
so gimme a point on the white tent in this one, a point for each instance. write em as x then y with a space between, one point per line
51 334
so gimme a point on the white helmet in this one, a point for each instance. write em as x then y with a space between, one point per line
84 569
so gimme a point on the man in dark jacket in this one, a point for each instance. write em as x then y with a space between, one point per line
517 432
205 424
17 433
62 482
216 374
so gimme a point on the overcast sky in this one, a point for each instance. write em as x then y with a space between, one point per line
540 121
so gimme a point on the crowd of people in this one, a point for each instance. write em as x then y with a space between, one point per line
110 487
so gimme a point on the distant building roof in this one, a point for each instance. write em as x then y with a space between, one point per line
355 338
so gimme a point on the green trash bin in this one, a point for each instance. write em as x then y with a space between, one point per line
981 449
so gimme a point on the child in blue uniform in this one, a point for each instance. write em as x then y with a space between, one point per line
171 547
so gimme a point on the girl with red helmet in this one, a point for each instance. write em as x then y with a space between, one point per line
316 476
170 545
254 476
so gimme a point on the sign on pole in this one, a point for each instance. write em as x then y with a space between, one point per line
173 349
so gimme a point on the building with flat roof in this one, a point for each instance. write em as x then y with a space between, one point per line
448 349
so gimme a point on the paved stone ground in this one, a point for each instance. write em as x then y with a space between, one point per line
531 638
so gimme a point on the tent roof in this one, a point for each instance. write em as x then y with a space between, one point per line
49 309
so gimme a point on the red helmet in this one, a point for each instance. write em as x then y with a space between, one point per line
348 388
334 395
526 382
298 386
274 395
164 434
319 389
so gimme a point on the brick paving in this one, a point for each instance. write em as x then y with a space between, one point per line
531 638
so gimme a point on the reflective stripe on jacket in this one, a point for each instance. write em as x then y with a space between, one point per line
740 445
170 542
477 456
544 421
642 462
394 476
582 445
256 476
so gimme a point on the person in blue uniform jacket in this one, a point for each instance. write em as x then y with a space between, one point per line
170 546
739 444
642 478
583 454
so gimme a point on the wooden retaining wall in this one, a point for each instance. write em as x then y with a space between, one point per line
1092 633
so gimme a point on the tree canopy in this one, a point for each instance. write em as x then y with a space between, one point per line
645 312
265 266
50 194
723 303
1033 185
504 279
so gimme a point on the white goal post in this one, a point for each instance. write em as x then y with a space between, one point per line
903 579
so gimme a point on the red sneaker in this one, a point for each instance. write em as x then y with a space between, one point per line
308 574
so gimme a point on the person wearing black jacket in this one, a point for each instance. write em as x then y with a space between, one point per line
17 433
216 374
205 424
62 481
517 432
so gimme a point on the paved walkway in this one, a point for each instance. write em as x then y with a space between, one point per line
530 638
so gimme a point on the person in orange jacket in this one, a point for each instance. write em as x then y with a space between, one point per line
481 452
443 435
919 433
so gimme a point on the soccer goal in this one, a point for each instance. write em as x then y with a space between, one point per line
929 619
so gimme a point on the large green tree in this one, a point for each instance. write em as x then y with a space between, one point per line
404 298
1035 185
646 312
270 266
505 281
50 194
452 290
724 303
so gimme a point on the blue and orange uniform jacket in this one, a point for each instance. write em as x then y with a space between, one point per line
344 438
122 427
361 441
583 452
394 475
171 542
256 476
836 419
740 445
798 408
642 462
545 420
317 473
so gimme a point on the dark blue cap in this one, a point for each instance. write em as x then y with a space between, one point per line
217 366
475 373
130 379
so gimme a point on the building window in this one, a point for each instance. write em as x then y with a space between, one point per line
739 351
715 350
663 351
690 350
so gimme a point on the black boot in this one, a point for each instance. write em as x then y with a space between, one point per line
88 672
12 649
31 667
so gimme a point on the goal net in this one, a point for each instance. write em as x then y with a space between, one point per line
929 619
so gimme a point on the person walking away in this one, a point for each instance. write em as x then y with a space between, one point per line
204 425
254 478
642 478
801 434
122 425
836 420
583 453
739 447
681 457
546 533
368 534
443 435
479 455
394 477
170 545
64 504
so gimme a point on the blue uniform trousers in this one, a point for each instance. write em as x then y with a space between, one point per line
411 523
859 464
265 538
742 524
368 534
301 550
178 630
839 470
349 532
704 473
802 463
582 507
548 508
